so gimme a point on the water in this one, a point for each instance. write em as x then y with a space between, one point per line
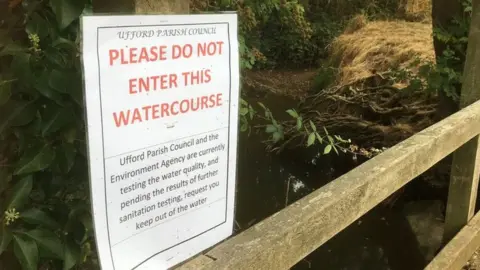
381 239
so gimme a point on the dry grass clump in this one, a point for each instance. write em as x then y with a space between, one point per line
355 24
380 46
416 10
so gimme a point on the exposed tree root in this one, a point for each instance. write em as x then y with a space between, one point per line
379 115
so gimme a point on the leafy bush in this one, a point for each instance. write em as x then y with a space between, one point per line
446 74
44 193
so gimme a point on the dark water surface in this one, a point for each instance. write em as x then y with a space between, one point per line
381 239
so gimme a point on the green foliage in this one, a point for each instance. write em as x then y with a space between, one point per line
278 132
44 194
446 74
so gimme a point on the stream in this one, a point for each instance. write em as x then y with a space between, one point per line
404 236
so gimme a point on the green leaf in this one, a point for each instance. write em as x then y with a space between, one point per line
319 138
276 136
20 66
330 139
56 118
311 139
43 87
12 49
66 157
292 113
35 160
270 128
26 251
15 113
21 191
312 125
48 243
38 217
37 25
5 238
5 91
243 111
67 11
251 111
261 105
62 81
5 177
326 132
243 127
71 255
327 149
299 123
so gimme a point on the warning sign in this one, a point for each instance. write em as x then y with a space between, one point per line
161 96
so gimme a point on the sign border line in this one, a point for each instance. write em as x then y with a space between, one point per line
228 140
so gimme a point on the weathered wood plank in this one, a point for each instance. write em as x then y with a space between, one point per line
466 160
285 238
459 250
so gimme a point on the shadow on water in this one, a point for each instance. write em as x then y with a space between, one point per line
381 239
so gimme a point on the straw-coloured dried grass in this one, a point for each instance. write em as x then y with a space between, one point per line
379 46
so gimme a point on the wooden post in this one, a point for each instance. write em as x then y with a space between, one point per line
142 6
466 160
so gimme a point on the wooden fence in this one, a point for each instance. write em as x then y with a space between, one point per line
285 238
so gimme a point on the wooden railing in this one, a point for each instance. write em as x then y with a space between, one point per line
285 238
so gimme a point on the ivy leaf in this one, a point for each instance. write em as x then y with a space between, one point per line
38 217
56 118
327 149
243 111
49 244
62 81
43 87
311 139
15 113
270 129
5 91
35 160
67 11
26 251
21 191
21 67
71 255
65 157
244 127
5 177
37 25
12 49
5 239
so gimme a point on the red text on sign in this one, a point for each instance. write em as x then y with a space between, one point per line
152 83
126 56
156 111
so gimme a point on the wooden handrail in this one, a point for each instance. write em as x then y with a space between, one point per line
283 239
454 255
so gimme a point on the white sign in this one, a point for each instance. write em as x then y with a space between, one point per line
161 94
